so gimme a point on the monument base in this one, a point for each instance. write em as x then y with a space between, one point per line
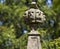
34 40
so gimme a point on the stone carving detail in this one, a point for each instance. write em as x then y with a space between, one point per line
34 15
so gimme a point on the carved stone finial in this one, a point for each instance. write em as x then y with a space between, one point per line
34 15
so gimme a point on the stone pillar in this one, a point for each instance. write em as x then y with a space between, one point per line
34 40
33 17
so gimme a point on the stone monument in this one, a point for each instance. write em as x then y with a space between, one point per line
32 17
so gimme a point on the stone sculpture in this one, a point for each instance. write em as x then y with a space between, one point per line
32 17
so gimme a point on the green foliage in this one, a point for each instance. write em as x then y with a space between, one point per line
11 31
23 41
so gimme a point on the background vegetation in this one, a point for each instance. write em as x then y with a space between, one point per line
12 27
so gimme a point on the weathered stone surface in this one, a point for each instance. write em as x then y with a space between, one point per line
34 40
35 15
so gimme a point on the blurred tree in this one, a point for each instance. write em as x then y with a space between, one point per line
12 24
